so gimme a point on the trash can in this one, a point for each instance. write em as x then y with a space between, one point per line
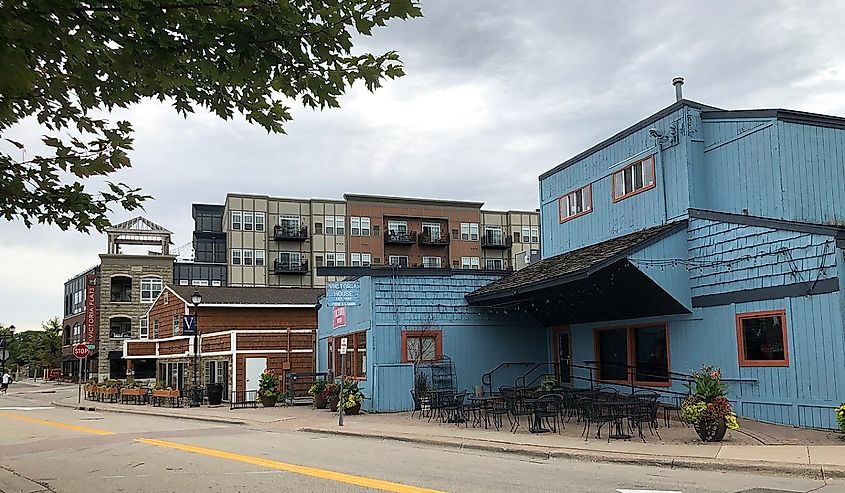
215 393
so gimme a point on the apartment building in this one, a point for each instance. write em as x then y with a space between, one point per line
81 321
274 241
207 266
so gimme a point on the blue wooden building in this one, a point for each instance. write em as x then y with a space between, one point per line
697 236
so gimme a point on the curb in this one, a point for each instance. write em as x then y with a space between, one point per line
755 467
207 419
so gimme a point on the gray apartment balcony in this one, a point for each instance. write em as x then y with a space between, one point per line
500 242
400 237
287 233
287 267
426 238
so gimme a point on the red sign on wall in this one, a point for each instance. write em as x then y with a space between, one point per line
91 328
339 317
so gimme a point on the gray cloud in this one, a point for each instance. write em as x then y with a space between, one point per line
496 93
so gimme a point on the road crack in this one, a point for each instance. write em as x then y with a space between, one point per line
44 485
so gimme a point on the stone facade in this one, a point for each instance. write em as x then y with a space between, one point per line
134 267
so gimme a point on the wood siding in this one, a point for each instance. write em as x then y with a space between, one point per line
211 319
163 310
216 344
179 346
141 349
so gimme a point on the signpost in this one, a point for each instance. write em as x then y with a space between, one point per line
343 346
81 352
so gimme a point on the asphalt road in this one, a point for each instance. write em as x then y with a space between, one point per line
63 450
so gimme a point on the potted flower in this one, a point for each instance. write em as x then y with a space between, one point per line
352 398
318 390
840 417
707 408
332 395
268 391
548 383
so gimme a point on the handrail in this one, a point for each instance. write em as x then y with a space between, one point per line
676 375
487 378
519 379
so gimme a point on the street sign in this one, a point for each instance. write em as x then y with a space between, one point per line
343 345
345 293
80 351
91 347
189 325
338 317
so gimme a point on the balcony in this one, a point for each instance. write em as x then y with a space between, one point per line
426 238
287 233
286 267
400 237
497 242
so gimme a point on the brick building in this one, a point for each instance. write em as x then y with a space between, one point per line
242 331
81 321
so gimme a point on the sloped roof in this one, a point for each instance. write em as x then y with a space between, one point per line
572 265
140 224
250 295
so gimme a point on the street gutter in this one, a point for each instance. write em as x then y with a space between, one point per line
207 419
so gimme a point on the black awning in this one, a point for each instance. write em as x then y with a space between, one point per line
115 354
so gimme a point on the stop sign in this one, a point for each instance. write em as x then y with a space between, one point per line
80 351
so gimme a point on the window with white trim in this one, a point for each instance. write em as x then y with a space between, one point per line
150 289
329 229
236 256
143 328
355 259
329 259
183 282
216 283
526 234
176 331
494 264
465 231
340 225
365 226
290 259
366 259
236 220
470 262
259 258
259 221
247 256
340 259
432 262
398 227
535 234
398 260
355 226
431 230
290 224
469 231
248 221
633 178
199 282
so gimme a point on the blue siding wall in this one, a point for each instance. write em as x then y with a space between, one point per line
774 169
665 262
669 199
728 257
477 340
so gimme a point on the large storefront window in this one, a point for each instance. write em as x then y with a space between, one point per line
640 353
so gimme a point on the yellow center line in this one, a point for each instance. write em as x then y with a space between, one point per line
375 484
57 424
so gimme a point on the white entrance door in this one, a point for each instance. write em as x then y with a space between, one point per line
254 368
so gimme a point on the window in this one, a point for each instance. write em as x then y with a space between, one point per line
761 338
77 332
517 238
473 231
340 225
329 260
526 234
355 259
494 264
247 257
431 262
465 231
366 259
535 234
175 325
422 345
290 259
259 258
575 204
398 260
640 352
470 262
633 179
259 221
329 225
318 228
355 226
290 225
143 328
493 235
248 221
318 260
236 220
340 259
150 289
121 289
356 356
120 328
431 231
236 256
218 372
397 227
375 231
216 283
155 329
199 282
365 226
183 282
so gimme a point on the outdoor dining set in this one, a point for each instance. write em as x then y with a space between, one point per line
547 410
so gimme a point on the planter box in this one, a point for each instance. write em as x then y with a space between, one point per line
133 392
166 393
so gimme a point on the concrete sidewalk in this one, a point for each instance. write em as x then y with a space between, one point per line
757 447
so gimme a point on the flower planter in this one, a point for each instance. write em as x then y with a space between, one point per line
268 401
711 431
351 411
166 393
320 401
333 401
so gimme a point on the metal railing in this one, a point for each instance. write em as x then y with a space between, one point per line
290 233
407 238
243 399
487 378
426 238
286 267
496 241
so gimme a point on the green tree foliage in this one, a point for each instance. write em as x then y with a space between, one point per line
36 348
65 60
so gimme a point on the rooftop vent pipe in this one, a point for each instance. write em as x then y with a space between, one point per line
678 82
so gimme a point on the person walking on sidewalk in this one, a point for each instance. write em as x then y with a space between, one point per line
4 383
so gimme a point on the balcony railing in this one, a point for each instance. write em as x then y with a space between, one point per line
426 238
287 267
503 242
290 233
401 238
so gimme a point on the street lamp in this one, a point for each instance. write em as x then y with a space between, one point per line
196 396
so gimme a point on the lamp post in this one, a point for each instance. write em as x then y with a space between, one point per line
196 396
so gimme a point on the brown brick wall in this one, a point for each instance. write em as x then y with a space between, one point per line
163 311
178 346
141 349
216 344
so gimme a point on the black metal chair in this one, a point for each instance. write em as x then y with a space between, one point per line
519 408
453 409
594 413
644 411
499 408
548 408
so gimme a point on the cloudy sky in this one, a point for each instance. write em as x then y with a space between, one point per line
495 94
